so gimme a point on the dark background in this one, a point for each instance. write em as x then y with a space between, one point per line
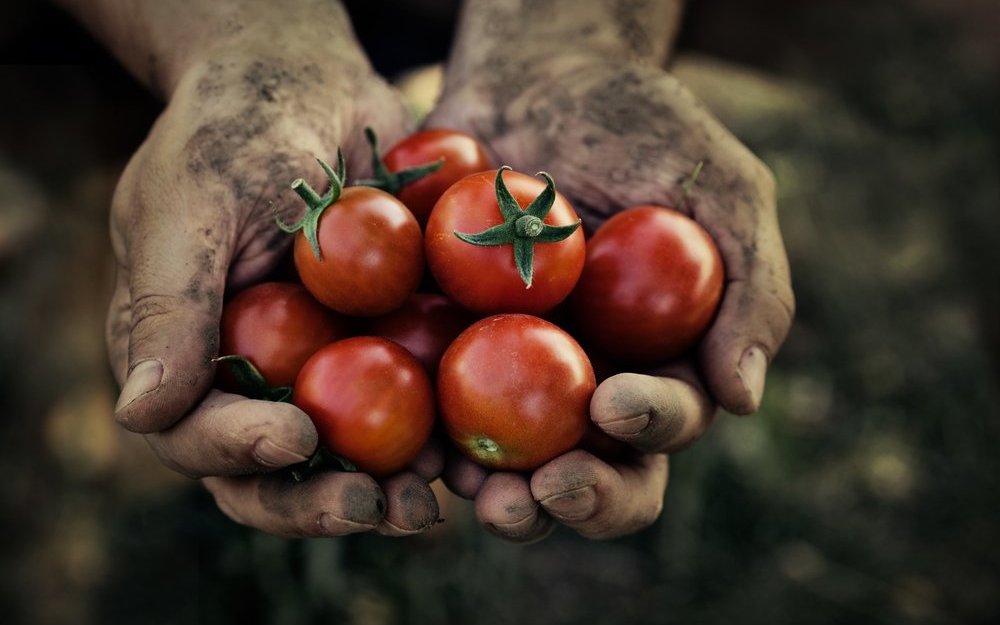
866 491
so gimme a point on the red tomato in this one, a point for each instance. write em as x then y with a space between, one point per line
650 287
367 254
462 154
371 402
425 325
514 392
486 279
277 326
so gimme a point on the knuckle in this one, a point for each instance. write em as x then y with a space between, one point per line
150 307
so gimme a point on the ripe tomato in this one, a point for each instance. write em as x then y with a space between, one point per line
425 325
277 326
371 402
514 392
459 155
650 287
486 278
358 249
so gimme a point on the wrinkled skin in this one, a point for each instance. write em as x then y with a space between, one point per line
192 218
615 135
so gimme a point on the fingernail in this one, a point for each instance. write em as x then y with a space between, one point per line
144 378
752 371
629 426
573 505
270 454
333 525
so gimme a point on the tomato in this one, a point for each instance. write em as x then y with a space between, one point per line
650 287
486 278
358 249
371 401
514 392
425 325
459 155
277 326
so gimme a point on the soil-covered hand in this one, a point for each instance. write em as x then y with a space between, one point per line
193 218
615 135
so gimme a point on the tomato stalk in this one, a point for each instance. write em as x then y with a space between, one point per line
315 203
393 182
323 458
250 381
522 228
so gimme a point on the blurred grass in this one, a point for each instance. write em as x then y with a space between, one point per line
866 491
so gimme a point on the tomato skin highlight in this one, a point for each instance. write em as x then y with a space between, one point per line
650 287
514 392
425 325
277 326
372 254
463 155
486 279
371 401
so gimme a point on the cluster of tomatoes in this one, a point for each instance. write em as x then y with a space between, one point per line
489 348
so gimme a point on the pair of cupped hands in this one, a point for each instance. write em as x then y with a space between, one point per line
193 218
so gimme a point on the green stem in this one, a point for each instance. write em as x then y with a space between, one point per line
522 228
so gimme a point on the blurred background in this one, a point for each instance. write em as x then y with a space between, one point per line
866 491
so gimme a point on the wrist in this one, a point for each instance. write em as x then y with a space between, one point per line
493 32
160 42
295 46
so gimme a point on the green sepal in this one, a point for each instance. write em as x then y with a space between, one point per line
509 207
554 234
524 258
321 459
541 205
522 228
393 182
315 203
497 235
250 381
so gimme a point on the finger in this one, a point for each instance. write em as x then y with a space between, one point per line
461 475
599 500
505 507
429 463
411 506
757 306
327 504
227 435
652 413
176 274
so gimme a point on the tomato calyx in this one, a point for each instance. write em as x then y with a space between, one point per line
321 459
393 182
522 228
315 203
250 381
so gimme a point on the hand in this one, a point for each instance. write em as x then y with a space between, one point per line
615 135
194 216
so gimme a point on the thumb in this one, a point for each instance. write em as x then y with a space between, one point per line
755 315
168 301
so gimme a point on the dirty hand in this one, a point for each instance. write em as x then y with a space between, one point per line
615 135
193 217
